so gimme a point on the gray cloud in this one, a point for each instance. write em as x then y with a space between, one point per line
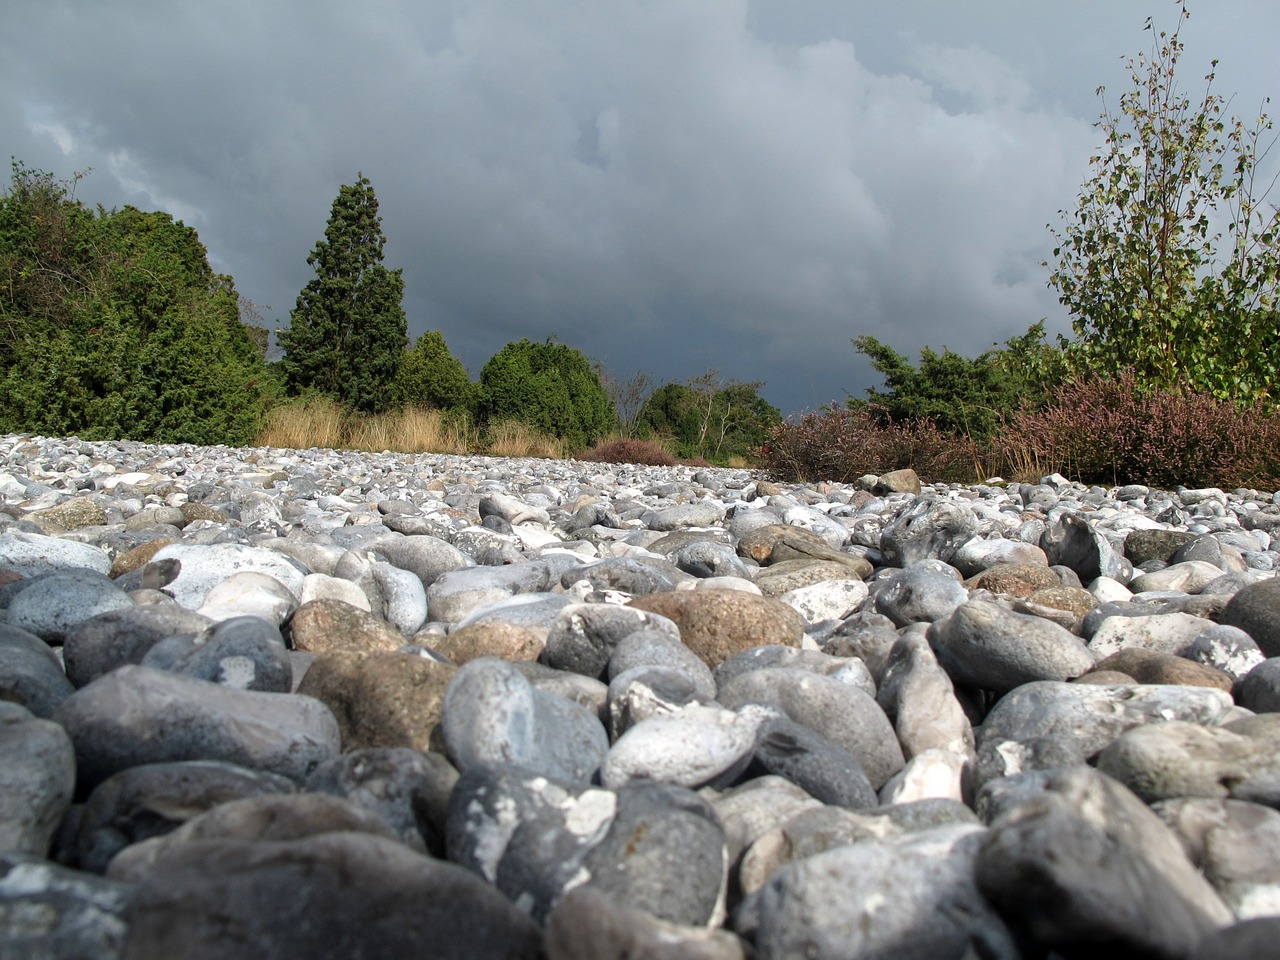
669 186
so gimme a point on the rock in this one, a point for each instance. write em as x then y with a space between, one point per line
693 746
788 575
98 645
48 912
319 586
829 600
685 515
490 638
930 528
1259 689
201 568
1014 579
135 715
249 594
154 799
332 626
30 674
918 697
780 543
984 645
1190 576
583 636
322 897
588 925
755 807
1072 542
716 624
978 554
492 714
823 769
33 554
457 593
911 896
37 778
1086 862
1149 666
659 649
844 714
381 699
1157 544
1236 845
51 605
1178 759
897 481
246 653
921 593
1255 609
1172 633
1228 649
408 789
1248 940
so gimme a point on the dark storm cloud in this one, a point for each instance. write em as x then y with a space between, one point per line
669 185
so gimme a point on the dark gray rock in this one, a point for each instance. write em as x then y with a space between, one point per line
658 648
135 715
628 575
647 691
30 673
588 925
921 593
1086 864
708 558
49 606
1259 689
583 636
337 895
409 789
102 643
1072 542
824 770
1141 546
152 800
1255 609
1255 939
245 653
929 528
48 912
37 779
839 711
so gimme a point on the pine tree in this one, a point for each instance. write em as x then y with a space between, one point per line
348 332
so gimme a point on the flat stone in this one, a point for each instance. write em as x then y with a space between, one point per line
716 624
37 778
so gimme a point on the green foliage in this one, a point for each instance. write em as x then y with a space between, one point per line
709 417
549 386
347 334
431 376
113 325
958 394
1152 281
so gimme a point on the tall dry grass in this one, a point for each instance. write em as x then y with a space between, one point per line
323 423
510 438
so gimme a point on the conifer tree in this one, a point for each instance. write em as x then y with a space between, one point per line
348 332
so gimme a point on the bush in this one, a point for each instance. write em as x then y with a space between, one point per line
841 445
1112 431
629 451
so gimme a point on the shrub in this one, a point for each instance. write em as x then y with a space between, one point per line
1109 431
841 445
629 451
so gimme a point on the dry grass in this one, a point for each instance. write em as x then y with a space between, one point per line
509 438
323 423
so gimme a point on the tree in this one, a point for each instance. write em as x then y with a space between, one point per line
115 326
1151 279
548 385
347 334
628 396
709 417
430 375
959 394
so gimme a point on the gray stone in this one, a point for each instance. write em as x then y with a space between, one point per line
685 515
246 653
842 713
659 649
823 769
49 606
709 558
904 897
1259 689
250 594
1236 845
457 593
492 714
647 691
848 670
409 789
201 568
978 554
929 528
336 895
826 601
1254 939
135 715
918 697
1072 542
628 575
756 806
693 746
1255 609
589 925
32 676
1165 633
100 644
37 778
919 594
1229 649
982 644
151 800
1188 576
33 554
583 636
49 912
1086 863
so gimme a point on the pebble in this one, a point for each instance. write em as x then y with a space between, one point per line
551 708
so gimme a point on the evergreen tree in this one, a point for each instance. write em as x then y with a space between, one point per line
348 333
432 376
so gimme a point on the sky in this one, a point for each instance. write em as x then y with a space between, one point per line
670 186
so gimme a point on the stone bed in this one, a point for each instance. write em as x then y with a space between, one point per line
270 703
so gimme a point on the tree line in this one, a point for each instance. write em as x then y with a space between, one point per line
113 325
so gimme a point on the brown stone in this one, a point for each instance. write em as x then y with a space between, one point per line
198 511
1152 666
72 515
138 557
331 626
1074 600
778 543
491 638
1014 579
1105 678
716 624
382 699
898 481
